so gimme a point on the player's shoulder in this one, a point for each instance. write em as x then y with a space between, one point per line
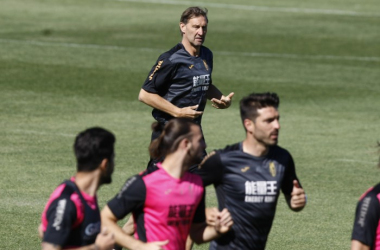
167 55
231 148
280 150
371 192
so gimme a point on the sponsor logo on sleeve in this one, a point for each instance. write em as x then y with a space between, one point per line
363 211
125 187
158 66
60 210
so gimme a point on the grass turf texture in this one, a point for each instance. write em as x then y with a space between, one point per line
68 65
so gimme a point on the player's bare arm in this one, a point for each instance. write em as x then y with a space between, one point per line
357 245
122 238
156 101
219 101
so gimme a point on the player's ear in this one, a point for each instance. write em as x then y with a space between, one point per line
104 164
249 125
182 27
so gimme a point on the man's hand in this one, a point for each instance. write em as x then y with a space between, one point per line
105 240
189 112
211 215
224 102
298 197
223 221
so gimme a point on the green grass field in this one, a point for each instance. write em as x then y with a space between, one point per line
67 65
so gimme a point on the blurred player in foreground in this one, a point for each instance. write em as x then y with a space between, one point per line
248 176
167 202
180 82
366 231
71 218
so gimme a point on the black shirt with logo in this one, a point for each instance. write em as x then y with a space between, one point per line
249 188
181 79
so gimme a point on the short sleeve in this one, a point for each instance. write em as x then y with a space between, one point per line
211 169
130 197
61 215
289 177
200 215
160 76
366 220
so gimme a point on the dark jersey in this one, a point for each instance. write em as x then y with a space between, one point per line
163 207
249 188
71 218
181 79
367 219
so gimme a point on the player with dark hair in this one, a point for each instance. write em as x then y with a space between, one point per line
366 230
180 82
71 218
248 176
167 202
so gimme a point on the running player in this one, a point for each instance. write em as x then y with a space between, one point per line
366 231
248 176
167 203
180 82
71 218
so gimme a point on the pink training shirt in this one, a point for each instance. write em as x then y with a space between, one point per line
163 207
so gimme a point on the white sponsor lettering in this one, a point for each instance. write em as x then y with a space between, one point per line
364 210
60 210
261 187
126 185
201 81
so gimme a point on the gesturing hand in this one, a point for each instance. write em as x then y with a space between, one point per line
298 197
224 102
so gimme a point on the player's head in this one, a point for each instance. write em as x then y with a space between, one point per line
260 117
93 147
179 132
193 25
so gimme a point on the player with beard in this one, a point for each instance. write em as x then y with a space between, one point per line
71 218
249 175
167 202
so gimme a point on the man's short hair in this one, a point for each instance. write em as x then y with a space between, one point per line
192 12
91 147
250 105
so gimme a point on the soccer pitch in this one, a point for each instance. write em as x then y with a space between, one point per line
67 65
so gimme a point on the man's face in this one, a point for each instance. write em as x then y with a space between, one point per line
194 32
197 147
267 126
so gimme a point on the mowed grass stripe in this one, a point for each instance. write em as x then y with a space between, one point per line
257 8
224 53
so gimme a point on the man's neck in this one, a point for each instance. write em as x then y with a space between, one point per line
254 148
87 182
193 51
173 165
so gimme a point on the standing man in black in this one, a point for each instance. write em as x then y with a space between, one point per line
180 82
249 175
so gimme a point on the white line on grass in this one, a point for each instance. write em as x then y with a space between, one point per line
223 53
258 8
